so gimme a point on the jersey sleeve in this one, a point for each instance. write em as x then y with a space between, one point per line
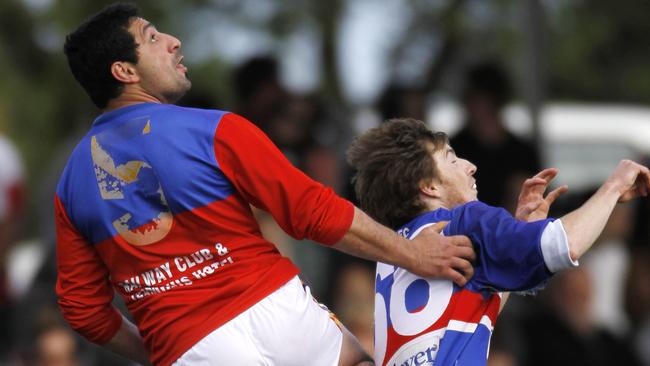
509 254
260 172
82 285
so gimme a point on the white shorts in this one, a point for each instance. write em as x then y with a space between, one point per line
288 327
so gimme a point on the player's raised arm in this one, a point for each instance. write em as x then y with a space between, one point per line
429 254
583 226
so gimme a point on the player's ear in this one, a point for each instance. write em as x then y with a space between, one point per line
125 72
430 188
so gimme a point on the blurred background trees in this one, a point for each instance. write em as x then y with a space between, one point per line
347 50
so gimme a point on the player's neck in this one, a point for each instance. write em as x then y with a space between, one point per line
130 96
433 203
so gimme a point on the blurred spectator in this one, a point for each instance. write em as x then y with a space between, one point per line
11 207
504 161
607 264
402 101
637 302
296 132
260 94
563 332
355 301
501 358
57 346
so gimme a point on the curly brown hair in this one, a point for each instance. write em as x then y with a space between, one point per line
390 161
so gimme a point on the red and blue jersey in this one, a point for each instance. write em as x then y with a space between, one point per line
421 321
155 204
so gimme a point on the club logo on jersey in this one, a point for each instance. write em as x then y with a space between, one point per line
142 216
418 352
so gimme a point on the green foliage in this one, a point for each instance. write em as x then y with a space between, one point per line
599 50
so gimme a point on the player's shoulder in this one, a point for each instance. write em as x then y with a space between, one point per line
237 121
419 223
472 215
476 208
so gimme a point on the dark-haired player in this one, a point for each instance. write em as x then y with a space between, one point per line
155 203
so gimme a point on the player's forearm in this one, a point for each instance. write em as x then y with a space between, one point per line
584 225
128 343
368 239
429 255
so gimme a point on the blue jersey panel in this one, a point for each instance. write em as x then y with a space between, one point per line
509 255
462 348
139 164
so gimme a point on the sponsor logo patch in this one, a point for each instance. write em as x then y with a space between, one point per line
421 351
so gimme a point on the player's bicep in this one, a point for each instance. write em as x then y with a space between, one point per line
257 168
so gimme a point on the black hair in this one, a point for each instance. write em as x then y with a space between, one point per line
99 42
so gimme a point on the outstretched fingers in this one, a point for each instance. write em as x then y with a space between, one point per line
547 174
554 194
532 182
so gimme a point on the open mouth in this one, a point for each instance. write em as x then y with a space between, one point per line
474 186
180 66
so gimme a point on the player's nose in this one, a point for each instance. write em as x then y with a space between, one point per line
471 168
174 44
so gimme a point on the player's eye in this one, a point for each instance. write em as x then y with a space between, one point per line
153 37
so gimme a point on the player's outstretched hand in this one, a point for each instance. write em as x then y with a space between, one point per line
532 205
630 180
440 256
